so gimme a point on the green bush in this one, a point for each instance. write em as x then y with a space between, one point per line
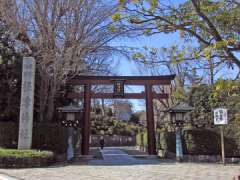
194 141
207 142
110 126
13 158
51 137
24 153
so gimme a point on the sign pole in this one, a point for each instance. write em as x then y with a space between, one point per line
221 118
222 146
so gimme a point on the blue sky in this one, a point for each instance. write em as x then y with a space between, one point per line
158 41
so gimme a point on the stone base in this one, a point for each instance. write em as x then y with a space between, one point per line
161 153
147 156
210 158
84 157
179 159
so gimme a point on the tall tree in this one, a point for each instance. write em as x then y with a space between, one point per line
67 38
10 75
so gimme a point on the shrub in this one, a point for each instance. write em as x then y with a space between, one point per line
51 137
195 142
13 158
24 153
207 142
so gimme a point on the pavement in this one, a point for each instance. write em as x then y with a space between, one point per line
117 165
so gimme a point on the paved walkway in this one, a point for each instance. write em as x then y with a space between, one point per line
117 165
115 156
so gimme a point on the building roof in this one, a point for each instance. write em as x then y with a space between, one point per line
70 108
181 107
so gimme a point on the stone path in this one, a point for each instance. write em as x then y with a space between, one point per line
6 177
117 165
115 156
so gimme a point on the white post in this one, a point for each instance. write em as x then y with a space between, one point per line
70 148
27 102
222 146
179 152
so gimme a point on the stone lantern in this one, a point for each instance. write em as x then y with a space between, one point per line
71 118
178 117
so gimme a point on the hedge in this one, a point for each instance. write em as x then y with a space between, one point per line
13 158
207 142
51 137
194 141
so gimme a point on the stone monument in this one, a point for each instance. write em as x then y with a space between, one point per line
27 102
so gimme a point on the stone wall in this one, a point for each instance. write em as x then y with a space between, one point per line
208 158
114 140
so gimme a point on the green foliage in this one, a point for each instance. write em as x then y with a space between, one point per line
141 138
24 153
109 112
10 76
201 142
50 137
212 25
207 142
134 118
13 158
199 98
109 126
195 142
116 17
224 93
166 141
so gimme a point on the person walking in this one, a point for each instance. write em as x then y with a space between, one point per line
101 142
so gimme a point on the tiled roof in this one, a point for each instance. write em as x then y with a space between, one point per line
181 107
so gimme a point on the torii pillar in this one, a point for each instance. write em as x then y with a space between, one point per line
86 120
150 120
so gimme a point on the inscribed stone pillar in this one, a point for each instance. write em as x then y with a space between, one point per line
27 101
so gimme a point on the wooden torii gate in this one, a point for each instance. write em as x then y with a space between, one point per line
119 82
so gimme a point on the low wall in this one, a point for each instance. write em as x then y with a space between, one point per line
27 162
114 140
210 158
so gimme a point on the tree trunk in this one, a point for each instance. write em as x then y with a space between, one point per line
43 96
102 107
211 72
51 99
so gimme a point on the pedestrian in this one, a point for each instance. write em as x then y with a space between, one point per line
101 142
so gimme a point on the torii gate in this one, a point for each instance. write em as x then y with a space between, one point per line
119 82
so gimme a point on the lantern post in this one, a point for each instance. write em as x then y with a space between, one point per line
71 118
177 117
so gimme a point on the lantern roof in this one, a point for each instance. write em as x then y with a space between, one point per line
181 107
70 108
